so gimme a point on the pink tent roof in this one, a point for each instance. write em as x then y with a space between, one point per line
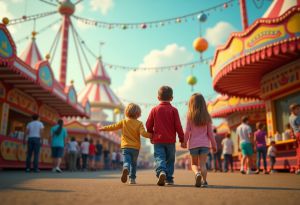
98 91
31 55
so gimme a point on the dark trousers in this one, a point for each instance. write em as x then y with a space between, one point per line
208 161
33 147
84 161
217 160
228 160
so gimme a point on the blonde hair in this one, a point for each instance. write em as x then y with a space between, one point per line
132 111
197 110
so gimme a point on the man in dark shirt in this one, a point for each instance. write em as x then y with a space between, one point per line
98 154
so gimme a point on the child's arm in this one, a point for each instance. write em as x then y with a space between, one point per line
211 137
112 127
187 131
178 127
150 122
143 132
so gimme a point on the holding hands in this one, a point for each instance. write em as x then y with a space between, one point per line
183 145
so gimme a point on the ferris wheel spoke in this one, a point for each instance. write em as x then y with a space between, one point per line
30 18
50 3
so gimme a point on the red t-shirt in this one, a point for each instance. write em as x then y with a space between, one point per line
164 122
92 149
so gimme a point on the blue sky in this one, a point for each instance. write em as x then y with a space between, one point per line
166 45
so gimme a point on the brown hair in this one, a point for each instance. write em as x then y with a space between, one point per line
259 125
132 111
245 119
294 106
197 110
165 93
227 135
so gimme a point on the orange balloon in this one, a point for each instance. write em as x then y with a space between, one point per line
200 44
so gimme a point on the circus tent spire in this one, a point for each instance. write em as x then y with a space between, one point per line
279 7
31 55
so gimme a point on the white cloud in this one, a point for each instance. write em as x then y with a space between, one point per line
218 34
102 5
79 7
142 86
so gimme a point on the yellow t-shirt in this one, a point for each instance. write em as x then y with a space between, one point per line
132 129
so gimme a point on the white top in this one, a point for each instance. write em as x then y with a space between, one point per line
272 151
244 131
114 156
227 146
73 146
85 147
35 128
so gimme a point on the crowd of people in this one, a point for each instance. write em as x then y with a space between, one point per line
162 127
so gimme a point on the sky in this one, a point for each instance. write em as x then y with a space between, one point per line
167 45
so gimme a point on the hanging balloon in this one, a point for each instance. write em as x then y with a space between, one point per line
162 23
191 80
200 44
225 5
202 17
178 20
124 27
117 111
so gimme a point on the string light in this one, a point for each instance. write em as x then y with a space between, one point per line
30 18
156 23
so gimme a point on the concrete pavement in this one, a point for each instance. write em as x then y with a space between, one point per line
84 188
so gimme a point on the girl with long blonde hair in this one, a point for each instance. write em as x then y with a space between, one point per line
199 137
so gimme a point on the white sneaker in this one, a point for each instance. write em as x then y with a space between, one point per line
57 169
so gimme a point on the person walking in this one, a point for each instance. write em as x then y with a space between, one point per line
58 136
218 154
98 156
72 155
261 146
34 131
85 145
228 148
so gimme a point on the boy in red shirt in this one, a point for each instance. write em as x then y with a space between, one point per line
164 122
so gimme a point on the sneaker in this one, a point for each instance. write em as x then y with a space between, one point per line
124 176
251 172
204 184
198 180
57 169
27 170
170 182
161 179
243 172
132 181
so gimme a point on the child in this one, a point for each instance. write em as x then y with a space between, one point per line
288 132
261 146
164 122
130 140
92 154
199 136
272 155
295 124
84 148
228 148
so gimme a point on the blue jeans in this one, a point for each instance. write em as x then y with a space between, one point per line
164 155
130 157
261 152
208 161
34 144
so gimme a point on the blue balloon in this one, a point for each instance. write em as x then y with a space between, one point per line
202 17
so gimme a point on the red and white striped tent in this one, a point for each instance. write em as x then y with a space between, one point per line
98 91
31 55
279 7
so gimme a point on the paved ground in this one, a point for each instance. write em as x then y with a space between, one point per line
105 188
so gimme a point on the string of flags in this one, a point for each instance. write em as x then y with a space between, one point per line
157 23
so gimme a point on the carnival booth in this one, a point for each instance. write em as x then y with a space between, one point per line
262 62
28 86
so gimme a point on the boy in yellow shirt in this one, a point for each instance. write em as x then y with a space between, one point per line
130 140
